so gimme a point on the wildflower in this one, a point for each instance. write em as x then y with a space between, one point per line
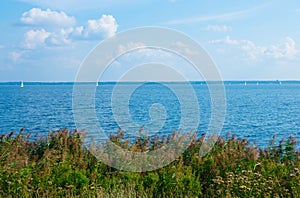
257 174
229 174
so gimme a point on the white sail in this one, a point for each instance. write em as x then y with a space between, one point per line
22 84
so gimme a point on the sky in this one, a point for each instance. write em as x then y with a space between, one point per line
47 40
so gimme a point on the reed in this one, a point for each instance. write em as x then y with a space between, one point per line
58 165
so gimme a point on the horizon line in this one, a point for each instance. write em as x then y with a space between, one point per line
241 80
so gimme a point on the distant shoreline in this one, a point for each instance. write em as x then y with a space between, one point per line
167 82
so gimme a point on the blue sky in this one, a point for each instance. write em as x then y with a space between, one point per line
46 40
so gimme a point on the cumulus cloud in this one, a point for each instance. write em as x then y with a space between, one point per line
218 28
252 50
57 28
78 31
38 38
61 37
106 26
39 17
35 38
285 49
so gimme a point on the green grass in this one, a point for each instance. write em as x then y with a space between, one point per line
58 166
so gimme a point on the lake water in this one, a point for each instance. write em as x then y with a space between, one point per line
255 112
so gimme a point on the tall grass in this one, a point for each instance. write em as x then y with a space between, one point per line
59 166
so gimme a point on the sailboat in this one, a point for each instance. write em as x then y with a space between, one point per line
97 84
22 84
279 82
245 83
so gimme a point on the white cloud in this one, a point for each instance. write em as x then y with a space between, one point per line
218 28
252 50
2 46
183 48
35 38
106 26
227 40
221 17
134 52
131 45
39 38
61 36
290 48
286 49
140 51
15 56
57 28
39 17
78 31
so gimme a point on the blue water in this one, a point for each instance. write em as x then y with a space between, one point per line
255 112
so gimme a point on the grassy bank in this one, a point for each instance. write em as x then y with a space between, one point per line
58 166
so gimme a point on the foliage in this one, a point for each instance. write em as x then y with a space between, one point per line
58 165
